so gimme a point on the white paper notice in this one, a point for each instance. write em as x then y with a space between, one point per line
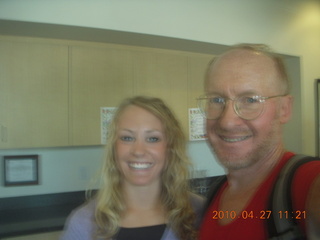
106 114
21 170
196 125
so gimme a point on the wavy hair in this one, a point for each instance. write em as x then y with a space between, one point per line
175 187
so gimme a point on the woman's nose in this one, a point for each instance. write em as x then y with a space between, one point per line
138 148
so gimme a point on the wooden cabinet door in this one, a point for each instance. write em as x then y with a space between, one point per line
163 75
197 66
3 102
100 77
34 86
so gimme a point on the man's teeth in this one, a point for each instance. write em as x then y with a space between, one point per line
235 139
140 165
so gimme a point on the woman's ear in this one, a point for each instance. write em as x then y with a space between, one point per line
286 108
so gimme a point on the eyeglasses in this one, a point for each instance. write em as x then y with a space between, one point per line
246 107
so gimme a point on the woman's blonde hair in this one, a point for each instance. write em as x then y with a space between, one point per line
174 190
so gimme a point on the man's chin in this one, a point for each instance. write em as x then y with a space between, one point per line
231 165
233 161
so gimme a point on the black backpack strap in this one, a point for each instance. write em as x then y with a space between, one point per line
283 227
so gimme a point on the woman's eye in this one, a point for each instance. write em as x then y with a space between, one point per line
126 138
153 139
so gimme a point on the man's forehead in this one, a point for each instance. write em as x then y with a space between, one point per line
242 55
242 68
241 60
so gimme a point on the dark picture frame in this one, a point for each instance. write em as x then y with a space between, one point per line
21 170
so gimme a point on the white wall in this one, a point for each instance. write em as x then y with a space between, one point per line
61 170
290 26
74 169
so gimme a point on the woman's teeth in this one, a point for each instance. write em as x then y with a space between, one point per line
140 165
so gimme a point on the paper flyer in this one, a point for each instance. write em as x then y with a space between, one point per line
196 125
106 114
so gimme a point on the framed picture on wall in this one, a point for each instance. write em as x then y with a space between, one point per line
21 170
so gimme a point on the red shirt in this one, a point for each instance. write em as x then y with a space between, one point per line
252 222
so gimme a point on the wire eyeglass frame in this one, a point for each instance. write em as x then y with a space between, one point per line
246 101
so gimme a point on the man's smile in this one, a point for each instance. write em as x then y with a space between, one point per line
234 139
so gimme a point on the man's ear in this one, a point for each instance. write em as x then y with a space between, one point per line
286 108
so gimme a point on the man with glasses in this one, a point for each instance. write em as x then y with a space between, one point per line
246 103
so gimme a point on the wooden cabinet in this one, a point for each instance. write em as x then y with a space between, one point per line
51 94
3 104
51 90
163 75
99 77
197 66
34 94
103 76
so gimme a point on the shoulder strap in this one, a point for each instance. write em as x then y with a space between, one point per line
285 227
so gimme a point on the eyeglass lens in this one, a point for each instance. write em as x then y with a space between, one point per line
245 107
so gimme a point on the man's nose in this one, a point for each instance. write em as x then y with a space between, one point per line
229 117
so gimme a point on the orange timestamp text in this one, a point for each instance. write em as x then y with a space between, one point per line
263 214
